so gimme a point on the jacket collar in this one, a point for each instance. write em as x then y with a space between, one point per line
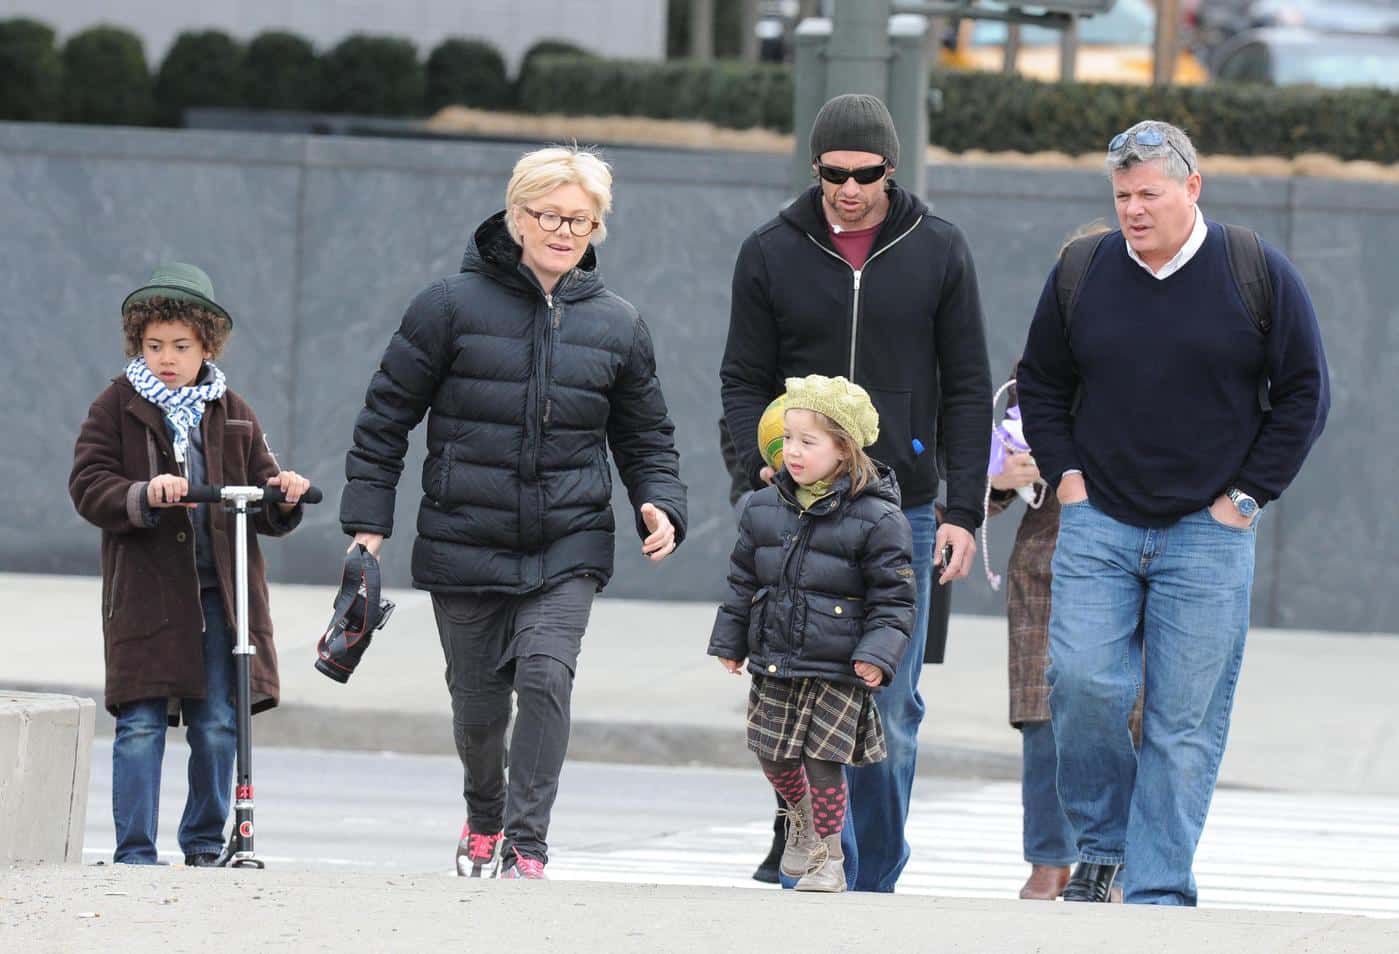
805 214
492 252
887 488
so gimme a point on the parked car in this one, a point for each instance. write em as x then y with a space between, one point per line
1114 47
1330 16
1285 56
1208 23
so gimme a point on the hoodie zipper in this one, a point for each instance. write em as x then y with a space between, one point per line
857 273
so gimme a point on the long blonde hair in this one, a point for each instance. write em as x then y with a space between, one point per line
855 462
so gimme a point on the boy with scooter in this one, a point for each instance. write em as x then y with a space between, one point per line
167 423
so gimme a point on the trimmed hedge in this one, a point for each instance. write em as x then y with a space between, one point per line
31 72
203 68
105 78
982 111
280 71
465 72
543 48
736 95
372 76
990 111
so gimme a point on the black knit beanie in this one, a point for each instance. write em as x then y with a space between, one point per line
857 122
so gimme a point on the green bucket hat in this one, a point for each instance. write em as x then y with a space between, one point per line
180 282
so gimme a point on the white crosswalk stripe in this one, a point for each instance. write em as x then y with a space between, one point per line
1260 850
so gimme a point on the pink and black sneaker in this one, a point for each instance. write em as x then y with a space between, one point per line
517 867
475 851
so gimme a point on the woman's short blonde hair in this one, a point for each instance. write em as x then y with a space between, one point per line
540 172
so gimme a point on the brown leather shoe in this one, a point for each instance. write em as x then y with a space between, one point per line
1046 883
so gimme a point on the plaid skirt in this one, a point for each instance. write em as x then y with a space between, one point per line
791 718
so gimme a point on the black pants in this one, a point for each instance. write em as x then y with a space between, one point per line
496 644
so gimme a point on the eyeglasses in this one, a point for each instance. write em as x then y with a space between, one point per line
864 175
1147 137
579 225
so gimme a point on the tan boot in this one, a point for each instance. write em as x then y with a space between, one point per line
1046 883
826 869
801 838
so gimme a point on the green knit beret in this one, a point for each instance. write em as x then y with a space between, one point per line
843 402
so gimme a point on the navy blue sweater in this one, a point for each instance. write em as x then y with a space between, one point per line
1169 368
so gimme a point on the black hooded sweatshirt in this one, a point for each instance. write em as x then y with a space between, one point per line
907 327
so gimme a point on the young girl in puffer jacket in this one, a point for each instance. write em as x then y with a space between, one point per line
821 605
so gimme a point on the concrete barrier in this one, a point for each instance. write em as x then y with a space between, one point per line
45 749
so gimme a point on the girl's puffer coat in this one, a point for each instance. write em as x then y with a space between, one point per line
813 591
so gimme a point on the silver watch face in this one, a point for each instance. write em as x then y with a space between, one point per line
1245 504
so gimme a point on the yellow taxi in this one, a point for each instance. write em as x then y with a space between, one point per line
1113 47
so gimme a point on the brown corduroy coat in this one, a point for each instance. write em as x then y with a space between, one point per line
1028 581
151 615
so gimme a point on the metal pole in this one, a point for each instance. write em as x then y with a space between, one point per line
908 96
748 45
702 29
1163 67
239 852
1012 50
1068 51
812 38
859 50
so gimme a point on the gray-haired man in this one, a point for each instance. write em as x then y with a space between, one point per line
1172 384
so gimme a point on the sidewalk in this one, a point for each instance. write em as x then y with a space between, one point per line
1315 711
115 909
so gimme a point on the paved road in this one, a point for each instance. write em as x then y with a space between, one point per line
703 826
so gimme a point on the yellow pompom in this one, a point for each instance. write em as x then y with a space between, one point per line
770 428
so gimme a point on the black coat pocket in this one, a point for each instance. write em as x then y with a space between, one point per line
833 627
895 444
757 612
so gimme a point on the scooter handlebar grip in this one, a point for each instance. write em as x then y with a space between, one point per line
312 495
213 493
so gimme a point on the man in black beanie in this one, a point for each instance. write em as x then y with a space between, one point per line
857 277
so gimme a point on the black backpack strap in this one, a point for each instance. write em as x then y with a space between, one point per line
1073 265
1249 266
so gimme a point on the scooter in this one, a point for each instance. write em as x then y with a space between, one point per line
239 853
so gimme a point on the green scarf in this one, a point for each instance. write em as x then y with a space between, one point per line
808 495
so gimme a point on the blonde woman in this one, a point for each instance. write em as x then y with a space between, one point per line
528 370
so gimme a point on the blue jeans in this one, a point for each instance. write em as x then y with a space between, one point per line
1048 836
212 734
879 793
1180 595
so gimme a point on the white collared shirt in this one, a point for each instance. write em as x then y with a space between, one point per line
1186 253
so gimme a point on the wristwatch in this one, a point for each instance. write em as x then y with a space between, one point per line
1243 503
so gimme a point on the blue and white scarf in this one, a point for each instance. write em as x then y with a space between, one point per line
183 407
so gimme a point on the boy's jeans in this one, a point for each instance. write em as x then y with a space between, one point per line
880 793
1188 587
1048 836
212 733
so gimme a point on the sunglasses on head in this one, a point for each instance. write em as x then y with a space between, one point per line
865 175
1146 137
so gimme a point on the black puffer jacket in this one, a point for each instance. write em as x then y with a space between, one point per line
526 392
813 591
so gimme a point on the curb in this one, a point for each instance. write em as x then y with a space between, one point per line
633 743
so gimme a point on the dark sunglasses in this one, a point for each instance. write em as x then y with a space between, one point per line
864 175
1146 137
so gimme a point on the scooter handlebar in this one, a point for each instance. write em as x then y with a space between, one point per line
214 493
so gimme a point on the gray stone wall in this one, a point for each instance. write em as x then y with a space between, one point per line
317 244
